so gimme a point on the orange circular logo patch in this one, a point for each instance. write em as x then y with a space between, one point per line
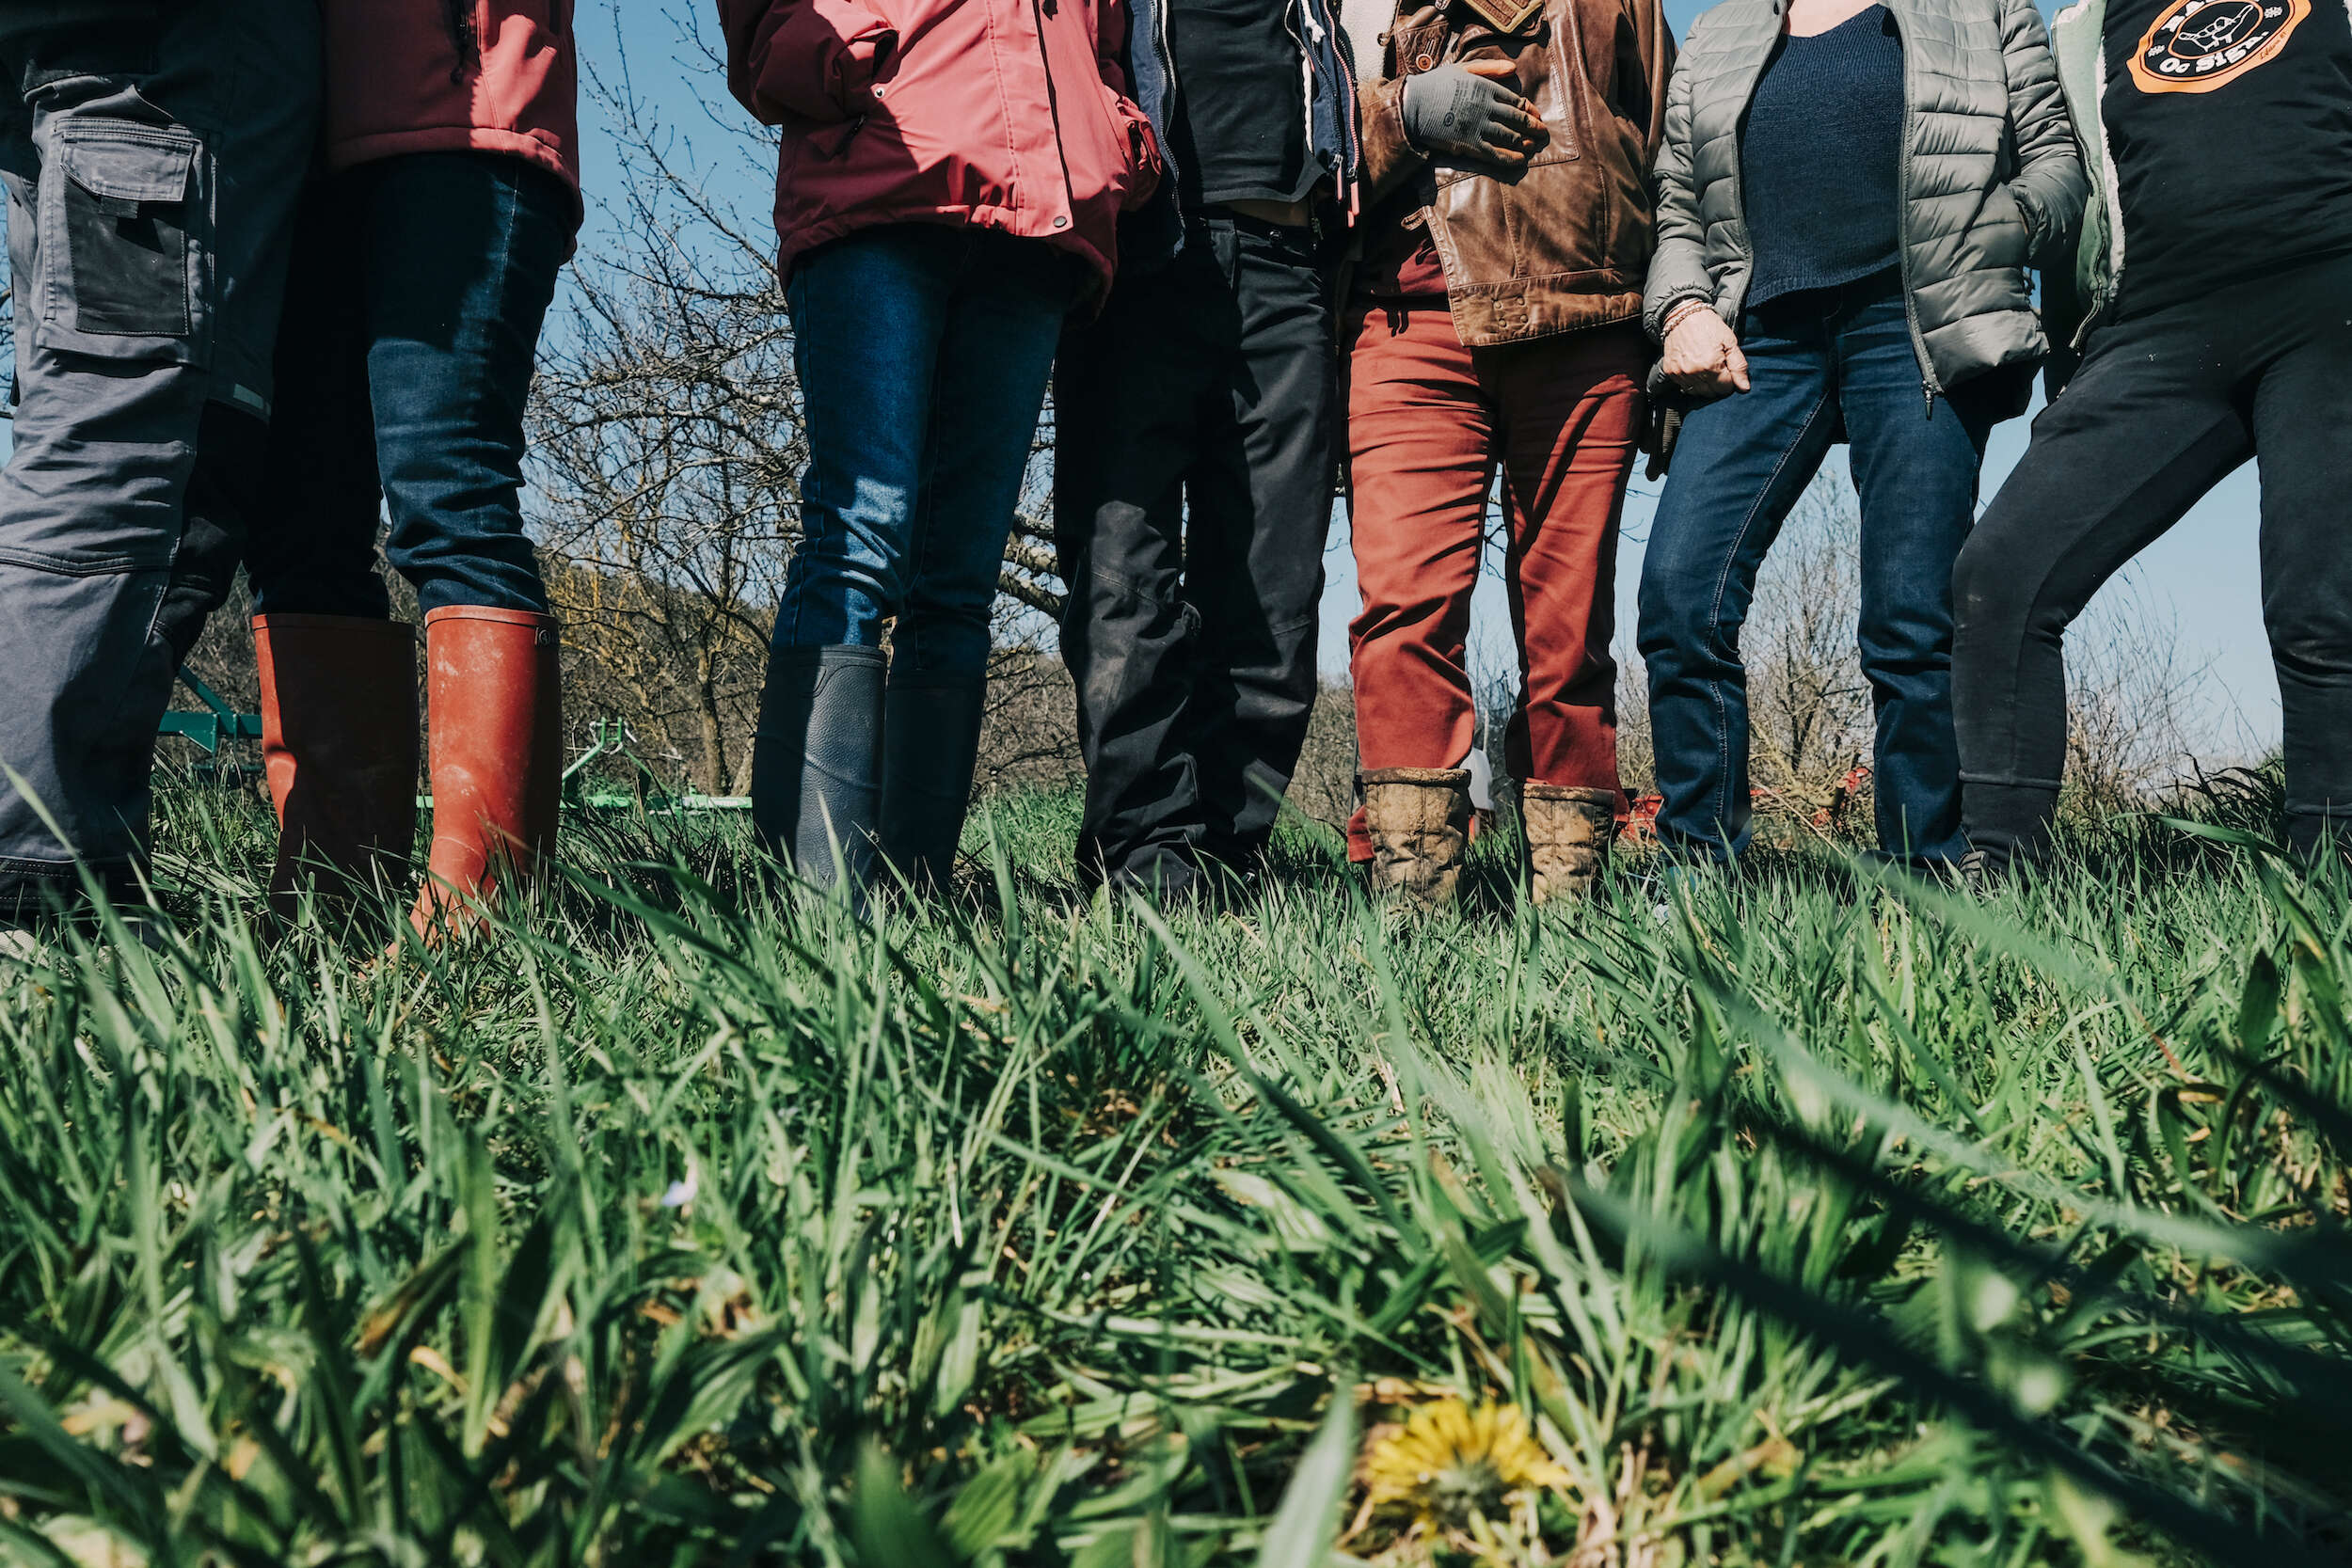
2201 45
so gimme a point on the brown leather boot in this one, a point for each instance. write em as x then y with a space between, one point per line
496 740
1567 833
338 747
1419 820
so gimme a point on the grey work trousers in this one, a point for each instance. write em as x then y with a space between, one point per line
152 177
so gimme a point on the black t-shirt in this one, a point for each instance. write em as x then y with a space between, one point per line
2229 124
1240 131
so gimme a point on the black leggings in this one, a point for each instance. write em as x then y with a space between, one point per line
2164 407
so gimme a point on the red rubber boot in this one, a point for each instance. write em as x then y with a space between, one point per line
338 747
495 737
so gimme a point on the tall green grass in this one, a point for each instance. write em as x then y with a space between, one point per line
688 1220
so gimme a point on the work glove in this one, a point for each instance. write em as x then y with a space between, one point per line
1463 111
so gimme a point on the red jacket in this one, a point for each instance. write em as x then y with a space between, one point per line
1010 113
451 75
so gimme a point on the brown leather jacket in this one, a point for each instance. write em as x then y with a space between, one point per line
1565 243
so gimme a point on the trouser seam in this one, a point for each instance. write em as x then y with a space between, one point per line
1715 610
54 871
103 566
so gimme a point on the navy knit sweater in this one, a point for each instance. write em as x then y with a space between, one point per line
1820 158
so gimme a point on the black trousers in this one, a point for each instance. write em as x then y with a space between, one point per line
2164 407
1193 485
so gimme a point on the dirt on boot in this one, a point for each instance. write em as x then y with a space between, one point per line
1419 820
1567 833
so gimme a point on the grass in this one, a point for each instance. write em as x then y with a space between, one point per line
688 1221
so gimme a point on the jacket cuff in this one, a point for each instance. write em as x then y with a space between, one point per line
1654 314
1388 155
818 61
2037 220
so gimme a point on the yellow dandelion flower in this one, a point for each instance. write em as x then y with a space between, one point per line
1451 1464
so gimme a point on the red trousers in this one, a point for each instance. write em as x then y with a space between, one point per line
1428 421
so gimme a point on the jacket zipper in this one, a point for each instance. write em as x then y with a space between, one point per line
2109 197
1903 217
1306 82
1175 99
1739 186
1344 177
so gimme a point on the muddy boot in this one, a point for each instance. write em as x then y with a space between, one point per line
339 748
816 764
931 745
1567 833
1419 820
494 738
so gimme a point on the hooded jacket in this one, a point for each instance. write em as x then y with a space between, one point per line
1990 177
1009 114
453 75
1565 243
1156 231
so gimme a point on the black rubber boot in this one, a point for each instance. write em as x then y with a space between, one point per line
930 745
816 762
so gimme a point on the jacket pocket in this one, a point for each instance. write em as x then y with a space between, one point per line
1559 97
125 254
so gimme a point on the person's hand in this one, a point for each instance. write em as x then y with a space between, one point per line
1703 355
1464 111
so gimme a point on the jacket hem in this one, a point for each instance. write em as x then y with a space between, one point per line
1547 316
797 242
351 152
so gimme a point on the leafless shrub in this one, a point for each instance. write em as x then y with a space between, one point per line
1809 709
1323 787
2134 696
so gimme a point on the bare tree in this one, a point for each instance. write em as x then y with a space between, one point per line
667 446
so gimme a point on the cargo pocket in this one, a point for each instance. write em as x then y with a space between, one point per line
124 257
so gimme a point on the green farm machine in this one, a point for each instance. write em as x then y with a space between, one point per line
610 775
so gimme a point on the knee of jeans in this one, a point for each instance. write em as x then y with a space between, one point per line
941 642
834 568
866 539
1678 608
1904 637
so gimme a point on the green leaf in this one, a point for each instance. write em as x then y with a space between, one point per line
1307 1523
890 1531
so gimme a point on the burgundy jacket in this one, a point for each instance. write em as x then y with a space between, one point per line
1011 115
453 75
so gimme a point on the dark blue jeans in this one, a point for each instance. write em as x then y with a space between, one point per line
1824 366
412 324
923 352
